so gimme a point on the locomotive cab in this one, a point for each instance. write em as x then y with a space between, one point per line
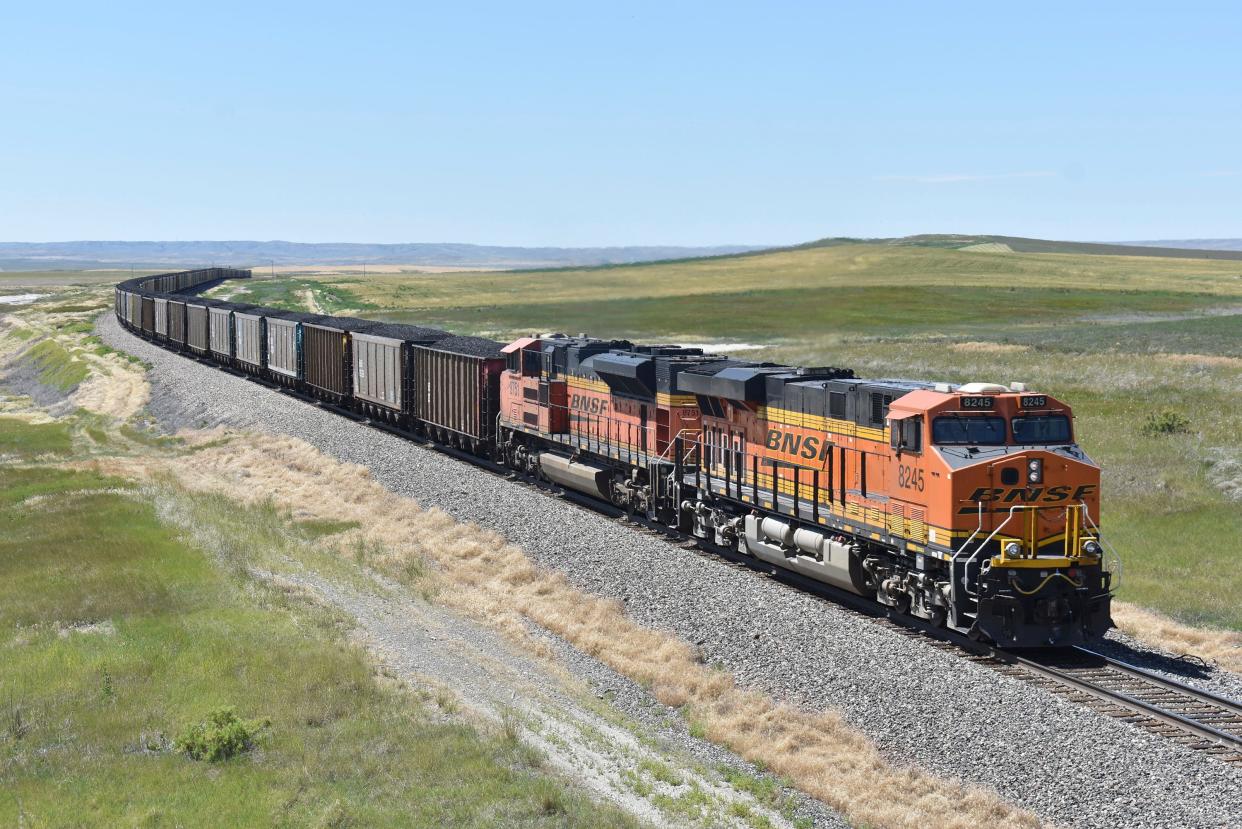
1013 505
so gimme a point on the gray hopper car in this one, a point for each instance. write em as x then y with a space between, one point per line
220 331
283 355
249 340
457 389
196 327
161 316
383 369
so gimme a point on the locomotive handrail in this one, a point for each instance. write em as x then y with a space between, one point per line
985 542
971 538
673 442
1108 548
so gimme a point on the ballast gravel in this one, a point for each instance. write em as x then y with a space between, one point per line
921 705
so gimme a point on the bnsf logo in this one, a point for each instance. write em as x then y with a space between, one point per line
1051 495
590 405
809 447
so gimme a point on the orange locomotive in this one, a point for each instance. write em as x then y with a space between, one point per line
969 506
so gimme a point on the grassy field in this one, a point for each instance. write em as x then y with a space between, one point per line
1124 338
119 635
121 630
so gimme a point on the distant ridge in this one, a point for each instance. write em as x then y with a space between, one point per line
1019 244
1191 244
101 254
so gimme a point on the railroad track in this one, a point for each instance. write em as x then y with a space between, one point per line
1157 704
1197 719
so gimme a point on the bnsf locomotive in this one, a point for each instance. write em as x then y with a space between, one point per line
968 506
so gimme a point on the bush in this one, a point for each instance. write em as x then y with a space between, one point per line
1167 422
221 736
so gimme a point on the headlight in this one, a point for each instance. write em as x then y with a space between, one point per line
1091 548
1035 471
1012 549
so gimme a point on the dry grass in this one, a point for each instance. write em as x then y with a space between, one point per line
1204 360
479 572
990 348
114 388
1224 647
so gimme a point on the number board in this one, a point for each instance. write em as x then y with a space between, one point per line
978 402
1035 401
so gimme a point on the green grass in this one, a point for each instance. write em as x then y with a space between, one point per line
290 292
764 314
117 636
56 366
28 440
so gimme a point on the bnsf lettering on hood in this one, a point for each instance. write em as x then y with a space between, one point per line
1027 495
809 446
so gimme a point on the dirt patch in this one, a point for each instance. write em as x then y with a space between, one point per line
114 388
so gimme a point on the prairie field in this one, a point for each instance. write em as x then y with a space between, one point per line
135 614
1147 349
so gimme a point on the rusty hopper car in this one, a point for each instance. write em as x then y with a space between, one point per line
382 368
283 357
196 327
147 309
457 389
327 356
176 321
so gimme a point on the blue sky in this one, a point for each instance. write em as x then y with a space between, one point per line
583 124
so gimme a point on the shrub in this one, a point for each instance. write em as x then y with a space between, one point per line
221 736
1167 422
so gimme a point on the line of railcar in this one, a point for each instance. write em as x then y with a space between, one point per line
969 506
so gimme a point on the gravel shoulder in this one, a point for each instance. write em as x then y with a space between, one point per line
920 705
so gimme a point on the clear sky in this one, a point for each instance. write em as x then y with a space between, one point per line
618 123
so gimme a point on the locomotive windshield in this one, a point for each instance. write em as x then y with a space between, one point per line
1041 429
968 430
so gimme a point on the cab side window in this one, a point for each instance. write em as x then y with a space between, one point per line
906 435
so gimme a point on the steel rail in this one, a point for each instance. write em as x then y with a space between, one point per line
1199 729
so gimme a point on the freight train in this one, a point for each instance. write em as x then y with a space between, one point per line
969 506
